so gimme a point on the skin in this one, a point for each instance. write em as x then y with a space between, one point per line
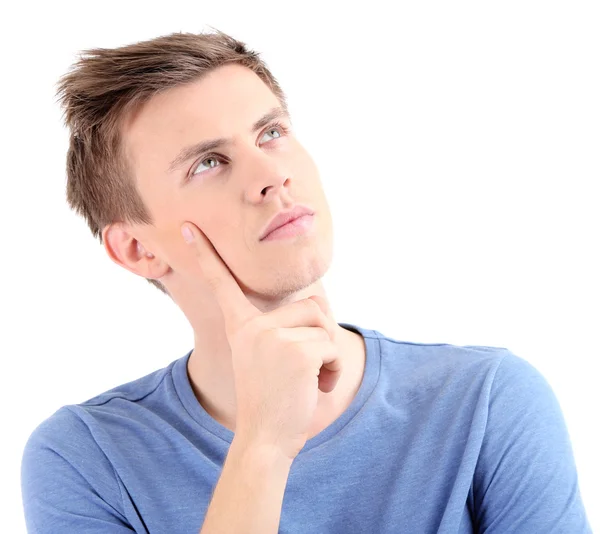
230 197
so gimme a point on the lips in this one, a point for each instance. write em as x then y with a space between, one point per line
284 217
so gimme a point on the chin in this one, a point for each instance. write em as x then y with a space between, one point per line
287 275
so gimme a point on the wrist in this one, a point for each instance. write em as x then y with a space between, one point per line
264 455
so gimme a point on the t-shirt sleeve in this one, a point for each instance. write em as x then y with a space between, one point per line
67 483
526 479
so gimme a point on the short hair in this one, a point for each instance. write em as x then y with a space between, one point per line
104 86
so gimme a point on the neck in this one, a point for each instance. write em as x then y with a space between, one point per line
211 373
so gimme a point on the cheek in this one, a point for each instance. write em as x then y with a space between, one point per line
302 160
306 170
219 229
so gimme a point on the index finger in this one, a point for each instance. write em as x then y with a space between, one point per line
236 308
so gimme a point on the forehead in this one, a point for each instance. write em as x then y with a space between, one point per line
225 101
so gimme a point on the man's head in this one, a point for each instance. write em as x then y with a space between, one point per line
136 168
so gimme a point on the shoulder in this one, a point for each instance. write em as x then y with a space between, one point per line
135 390
438 363
61 454
61 433
526 477
82 427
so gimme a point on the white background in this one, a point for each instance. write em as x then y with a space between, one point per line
459 147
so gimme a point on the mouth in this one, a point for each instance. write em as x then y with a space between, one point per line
298 226
286 217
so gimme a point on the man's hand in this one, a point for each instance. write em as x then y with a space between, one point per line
280 358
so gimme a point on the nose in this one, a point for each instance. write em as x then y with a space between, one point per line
264 176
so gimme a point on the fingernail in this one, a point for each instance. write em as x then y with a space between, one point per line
187 234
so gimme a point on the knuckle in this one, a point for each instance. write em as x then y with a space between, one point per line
292 347
250 330
317 313
324 333
311 304
258 335
322 322
261 337
305 354
246 330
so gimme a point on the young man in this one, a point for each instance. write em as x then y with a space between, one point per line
279 419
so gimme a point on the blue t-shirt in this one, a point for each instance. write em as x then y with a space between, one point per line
439 439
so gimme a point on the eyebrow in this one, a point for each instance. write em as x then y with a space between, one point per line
197 149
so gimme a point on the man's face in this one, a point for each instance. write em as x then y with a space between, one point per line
230 192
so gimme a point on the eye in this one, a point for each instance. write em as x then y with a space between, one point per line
270 131
278 129
211 159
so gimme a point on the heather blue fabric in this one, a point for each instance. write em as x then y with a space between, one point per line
439 439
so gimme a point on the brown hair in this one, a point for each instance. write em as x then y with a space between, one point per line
104 86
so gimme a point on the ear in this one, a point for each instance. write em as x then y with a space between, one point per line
127 251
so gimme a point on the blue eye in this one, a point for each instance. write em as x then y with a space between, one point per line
277 128
209 157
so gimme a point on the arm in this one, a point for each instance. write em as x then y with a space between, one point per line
526 478
249 494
